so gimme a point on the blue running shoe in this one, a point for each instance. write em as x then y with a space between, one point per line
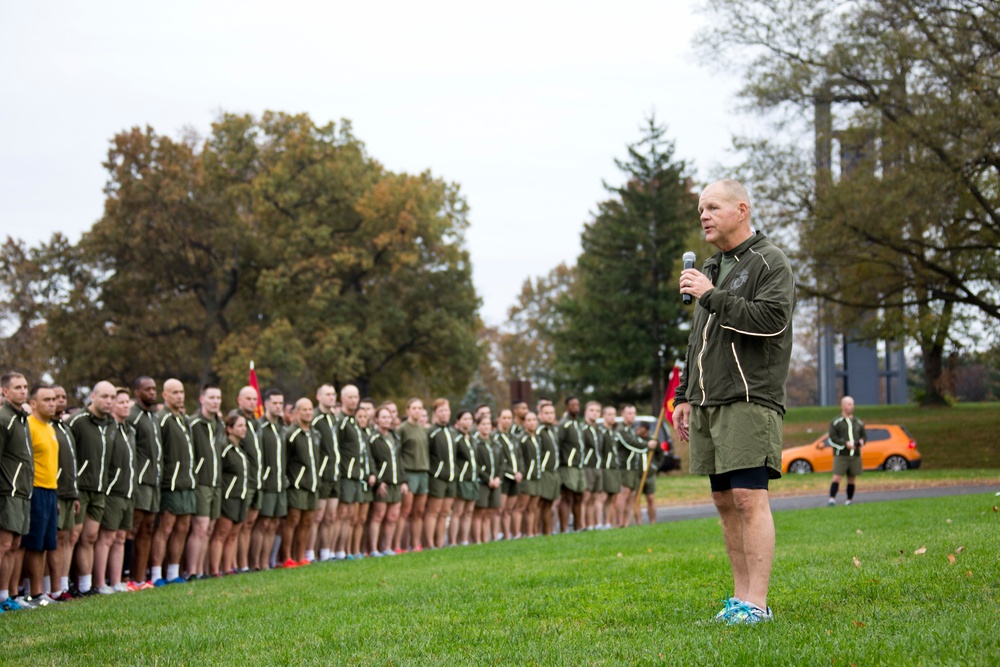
10 605
160 583
177 580
749 614
731 604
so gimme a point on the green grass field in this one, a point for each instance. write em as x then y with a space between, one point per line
637 596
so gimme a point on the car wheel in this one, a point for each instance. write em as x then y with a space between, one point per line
800 467
896 463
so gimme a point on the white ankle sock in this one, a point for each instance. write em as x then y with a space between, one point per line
63 583
173 571
156 573
46 584
84 583
324 554
310 555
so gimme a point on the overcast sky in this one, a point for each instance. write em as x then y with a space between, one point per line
525 104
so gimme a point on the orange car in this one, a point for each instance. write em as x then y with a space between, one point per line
889 447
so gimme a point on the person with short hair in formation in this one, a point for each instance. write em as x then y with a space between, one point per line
488 502
93 431
119 502
236 499
17 471
531 487
69 501
248 541
548 435
208 434
512 467
468 481
594 487
303 490
177 495
390 485
415 454
274 482
610 464
40 543
519 410
149 472
324 425
571 451
443 488
355 474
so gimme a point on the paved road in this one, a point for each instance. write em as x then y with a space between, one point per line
680 513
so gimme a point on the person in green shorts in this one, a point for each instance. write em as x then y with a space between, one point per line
610 465
16 479
390 484
149 473
248 541
634 451
731 398
208 434
273 479
356 475
235 497
488 502
512 469
847 437
177 496
548 435
443 486
303 450
93 430
69 499
531 487
416 463
651 464
594 488
460 529
571 466
324 425
119 503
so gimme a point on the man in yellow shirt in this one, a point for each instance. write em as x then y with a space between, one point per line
41 538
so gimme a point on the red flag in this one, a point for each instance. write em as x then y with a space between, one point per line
259 411
668 398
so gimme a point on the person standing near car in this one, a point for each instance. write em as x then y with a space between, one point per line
731 400
847 436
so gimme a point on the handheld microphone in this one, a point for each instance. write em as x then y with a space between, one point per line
688 264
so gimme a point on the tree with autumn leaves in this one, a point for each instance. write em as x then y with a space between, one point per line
272 239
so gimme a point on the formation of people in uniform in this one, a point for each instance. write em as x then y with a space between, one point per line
128 493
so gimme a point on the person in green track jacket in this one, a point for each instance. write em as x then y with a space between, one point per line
731 400
177 495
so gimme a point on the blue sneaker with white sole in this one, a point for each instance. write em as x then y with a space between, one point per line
748 613
731 604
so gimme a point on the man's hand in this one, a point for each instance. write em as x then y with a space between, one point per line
76 507
682 419
404 488
651 444
518 477
382 490
371 481
694 282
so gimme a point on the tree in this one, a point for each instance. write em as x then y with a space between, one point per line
273 239
902 240
623 325
526 349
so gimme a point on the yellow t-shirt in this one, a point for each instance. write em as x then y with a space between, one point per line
46 449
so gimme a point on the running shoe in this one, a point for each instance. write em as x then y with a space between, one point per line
747 613
121 588
831 502
10 605
42 600
376 554
303 562
388 552
64 596
848 502
132 587
25 602
730 605
106 590
159 583
399 552
418 548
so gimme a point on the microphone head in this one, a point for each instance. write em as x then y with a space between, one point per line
689 257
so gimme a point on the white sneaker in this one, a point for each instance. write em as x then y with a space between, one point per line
848 502
106 590
25 602
388 552
377 554
120 588
831 502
